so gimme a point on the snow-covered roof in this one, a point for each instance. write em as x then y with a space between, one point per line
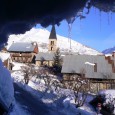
108 55
22 47
44 56
75 63
4 56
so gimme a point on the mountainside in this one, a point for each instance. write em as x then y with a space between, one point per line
41 36
109 50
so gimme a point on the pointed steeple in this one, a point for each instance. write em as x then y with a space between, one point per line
52 40
53 33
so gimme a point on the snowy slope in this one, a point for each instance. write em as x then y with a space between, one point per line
109 50
41 37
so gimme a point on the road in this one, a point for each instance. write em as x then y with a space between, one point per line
30 102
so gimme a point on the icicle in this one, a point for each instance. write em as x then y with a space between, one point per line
95 10
80 25
111 15
108 18
70 22
100 20
69 33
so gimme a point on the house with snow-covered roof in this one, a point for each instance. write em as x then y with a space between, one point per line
23 52
100 70
44 58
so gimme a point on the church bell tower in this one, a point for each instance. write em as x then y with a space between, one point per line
52 40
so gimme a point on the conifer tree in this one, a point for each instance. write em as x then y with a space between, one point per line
57 61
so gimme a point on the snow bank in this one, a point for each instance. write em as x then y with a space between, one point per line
6 86
4 56
17 110
17 66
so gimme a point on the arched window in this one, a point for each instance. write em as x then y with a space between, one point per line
51 48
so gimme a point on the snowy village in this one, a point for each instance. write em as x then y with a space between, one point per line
44 73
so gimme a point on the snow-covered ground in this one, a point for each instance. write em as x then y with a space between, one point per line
61 102
41 36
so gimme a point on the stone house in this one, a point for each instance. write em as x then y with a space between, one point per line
44 59
100 70
23 52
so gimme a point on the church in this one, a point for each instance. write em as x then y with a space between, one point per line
47 58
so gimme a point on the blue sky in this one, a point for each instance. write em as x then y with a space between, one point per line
97 30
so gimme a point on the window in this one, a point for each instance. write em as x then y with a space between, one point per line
95 67
52 42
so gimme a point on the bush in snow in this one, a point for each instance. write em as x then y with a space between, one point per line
79 85
107 103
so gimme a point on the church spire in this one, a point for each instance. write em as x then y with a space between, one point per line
53 33
52 40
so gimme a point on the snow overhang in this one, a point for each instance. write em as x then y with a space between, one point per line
18 16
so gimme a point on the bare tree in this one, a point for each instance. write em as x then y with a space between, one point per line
79 84
51 81
28 72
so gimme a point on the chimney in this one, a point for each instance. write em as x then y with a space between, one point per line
113 54
34 43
